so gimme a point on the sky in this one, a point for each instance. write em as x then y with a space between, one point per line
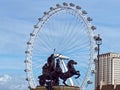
16 23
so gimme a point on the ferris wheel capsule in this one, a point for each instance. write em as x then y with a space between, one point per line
51 8
89 82
35 26
29 43
29 87
95 60
78 7
93 71
27 70
96 49
95 37
89 18
46 13
40 19
26 61
27 52
32 34
84 12
58 5
27 79
72 5
93 27
65 4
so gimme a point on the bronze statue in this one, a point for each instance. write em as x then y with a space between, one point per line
71 71
50 71
51 63
53 72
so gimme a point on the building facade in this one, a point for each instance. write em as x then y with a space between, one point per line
109 71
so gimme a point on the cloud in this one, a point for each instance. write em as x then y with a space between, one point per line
8 82
4 79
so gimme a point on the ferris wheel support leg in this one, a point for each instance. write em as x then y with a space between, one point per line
65 69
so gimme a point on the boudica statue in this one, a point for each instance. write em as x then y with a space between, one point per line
52 71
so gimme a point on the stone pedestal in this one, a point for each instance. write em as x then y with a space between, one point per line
58 88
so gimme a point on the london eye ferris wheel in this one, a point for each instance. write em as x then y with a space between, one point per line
66 31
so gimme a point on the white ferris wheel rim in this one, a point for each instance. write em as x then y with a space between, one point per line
30 44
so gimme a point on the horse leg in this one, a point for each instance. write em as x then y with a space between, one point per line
41 80
56 82
64 82
77 73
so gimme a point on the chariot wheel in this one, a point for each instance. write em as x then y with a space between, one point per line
65 30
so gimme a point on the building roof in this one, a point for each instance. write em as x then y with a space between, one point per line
109 53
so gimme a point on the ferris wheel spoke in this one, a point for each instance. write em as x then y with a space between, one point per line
36 66
68 31
44 43
75 45
72 40
76 48
71 34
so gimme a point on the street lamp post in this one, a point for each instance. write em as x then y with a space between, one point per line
98 42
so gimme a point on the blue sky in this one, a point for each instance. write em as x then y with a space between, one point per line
18 17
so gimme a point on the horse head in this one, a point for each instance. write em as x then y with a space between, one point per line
71 63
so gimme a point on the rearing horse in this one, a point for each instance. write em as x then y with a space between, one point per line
71 71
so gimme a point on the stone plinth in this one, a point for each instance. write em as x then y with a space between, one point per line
58 88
